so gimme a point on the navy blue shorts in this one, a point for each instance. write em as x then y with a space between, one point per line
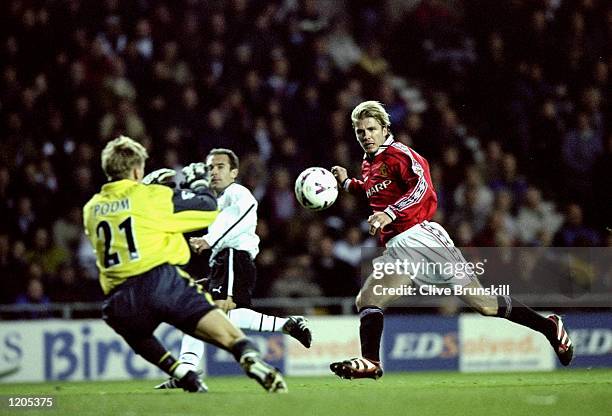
163 294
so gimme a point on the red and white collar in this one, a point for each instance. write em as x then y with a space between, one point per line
382 147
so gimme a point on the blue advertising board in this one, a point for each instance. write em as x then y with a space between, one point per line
419 343
592 337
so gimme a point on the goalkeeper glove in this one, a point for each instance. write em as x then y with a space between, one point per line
196 176
163 176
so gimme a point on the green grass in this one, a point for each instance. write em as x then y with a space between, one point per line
574 392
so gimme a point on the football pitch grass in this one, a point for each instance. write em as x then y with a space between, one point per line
571 392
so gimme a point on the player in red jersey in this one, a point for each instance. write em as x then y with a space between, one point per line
397 183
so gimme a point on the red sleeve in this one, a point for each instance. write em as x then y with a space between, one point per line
411 173
354 185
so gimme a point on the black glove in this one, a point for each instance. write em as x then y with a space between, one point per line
163 176
196 176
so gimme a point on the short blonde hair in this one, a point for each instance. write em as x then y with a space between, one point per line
121 155
372 109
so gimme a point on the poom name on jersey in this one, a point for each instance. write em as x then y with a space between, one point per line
111 207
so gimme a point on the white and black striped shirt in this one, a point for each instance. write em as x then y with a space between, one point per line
235 225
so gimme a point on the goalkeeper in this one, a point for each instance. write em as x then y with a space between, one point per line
137 233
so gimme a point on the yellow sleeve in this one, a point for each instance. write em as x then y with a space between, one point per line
192 214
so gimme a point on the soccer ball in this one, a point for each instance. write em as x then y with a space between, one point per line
316 189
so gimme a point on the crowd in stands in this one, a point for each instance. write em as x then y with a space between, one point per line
509 100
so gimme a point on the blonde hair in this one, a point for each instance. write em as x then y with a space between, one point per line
372 109
121 155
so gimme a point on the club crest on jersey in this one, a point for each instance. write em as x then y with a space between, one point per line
378 187
384 170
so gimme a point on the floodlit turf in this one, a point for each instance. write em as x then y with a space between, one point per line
573 392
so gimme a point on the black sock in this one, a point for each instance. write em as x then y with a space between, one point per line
370 331
515 311
244 346
154 352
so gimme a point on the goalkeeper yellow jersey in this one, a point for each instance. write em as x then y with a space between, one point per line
134 227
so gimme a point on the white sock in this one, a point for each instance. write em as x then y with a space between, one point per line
192 350
255 321
180 371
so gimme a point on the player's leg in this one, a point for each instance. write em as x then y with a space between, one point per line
192 349
370 302
441 248
225 305
510 308
295 326
153 351
232 281
127 311
216 328
196 315
191 353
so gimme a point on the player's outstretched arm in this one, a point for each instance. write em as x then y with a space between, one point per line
195 195
352 185
197 177
340 173
163 176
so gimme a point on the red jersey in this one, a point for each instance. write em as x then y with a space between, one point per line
396 180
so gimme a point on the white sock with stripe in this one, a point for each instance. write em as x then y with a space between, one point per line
255 321
192 350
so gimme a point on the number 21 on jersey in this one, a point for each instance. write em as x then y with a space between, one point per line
105 231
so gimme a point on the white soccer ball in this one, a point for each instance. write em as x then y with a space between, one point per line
316 189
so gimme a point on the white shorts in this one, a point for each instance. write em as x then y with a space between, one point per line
427 255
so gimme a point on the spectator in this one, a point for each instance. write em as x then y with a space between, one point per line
35 296
471 212
343 49
350 248
581 148
67 230
67 287
510 179
277 82
8 292
602 183
574 232
25 219
279 203
45 252
474 183
491 167
536 216
503 206
335 276
297 279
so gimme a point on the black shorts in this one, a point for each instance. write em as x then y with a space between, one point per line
232 273
163 294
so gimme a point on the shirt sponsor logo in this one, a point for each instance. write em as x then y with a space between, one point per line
378 187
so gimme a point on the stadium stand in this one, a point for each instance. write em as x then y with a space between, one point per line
509 100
